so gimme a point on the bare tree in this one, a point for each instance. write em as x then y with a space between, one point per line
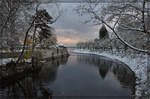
134 12
10 20
40 22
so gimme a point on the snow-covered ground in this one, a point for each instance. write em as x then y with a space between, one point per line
4 61
137 62
9 51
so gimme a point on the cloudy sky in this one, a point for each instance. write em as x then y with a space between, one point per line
69 27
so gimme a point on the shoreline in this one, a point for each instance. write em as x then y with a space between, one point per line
137 64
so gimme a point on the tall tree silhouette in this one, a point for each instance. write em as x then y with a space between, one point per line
103 33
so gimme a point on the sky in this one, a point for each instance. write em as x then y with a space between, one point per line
69 27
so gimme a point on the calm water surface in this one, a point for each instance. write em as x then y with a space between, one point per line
83 76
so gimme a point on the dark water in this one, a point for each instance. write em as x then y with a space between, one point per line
77 76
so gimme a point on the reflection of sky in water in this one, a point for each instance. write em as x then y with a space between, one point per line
81 79
69 27
80 75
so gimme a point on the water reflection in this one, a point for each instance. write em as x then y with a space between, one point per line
32 85
78 75
106 65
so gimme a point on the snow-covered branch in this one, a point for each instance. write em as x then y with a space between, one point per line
118 36
128 16
123 41
125 27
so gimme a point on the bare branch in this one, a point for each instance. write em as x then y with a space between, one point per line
133 29
143 15
126 14
121 39
136 8
26 36
116 22
130 46
58 16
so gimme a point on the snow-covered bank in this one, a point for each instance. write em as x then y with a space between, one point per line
42 54
4 61
138 63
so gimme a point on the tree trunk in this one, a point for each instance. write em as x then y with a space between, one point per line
33 46
26 36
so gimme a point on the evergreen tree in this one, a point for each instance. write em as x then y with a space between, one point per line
103 33
43 19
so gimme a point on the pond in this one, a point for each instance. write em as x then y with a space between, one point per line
78 76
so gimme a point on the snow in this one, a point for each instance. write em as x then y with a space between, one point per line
4 51
137 62
61 44
28 60
57 45
4 61
9 51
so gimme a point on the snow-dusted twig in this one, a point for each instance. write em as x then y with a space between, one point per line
118 36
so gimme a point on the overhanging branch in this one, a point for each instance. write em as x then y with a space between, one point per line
123 41
118 36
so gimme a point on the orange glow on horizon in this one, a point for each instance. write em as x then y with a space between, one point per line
68 40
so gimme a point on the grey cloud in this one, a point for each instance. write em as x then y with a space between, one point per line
70 22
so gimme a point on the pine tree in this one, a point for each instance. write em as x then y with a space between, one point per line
43 19
103 33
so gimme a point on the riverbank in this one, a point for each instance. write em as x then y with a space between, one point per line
137 62
9 69
42 54
54 52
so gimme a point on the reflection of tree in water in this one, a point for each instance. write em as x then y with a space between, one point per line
125 75
103 64
32 85
104 68
27 89
49 70
121 71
